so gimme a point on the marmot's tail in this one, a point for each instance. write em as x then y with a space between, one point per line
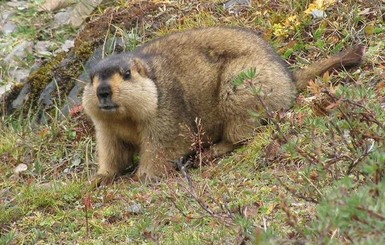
347 58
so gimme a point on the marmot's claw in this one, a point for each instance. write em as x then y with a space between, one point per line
101 180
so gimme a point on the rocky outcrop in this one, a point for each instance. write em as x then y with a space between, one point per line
58 83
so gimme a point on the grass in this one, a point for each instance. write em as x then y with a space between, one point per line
46 202
313 175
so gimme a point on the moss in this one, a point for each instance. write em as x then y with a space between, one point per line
40 78
84 51
74 66
64 68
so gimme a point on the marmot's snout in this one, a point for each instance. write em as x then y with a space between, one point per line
104 93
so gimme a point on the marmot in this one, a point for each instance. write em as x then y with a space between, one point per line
144 101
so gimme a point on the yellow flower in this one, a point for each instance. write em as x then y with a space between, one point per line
319 5
279 30
292 22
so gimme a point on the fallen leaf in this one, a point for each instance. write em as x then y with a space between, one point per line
314 88
76 110
326 77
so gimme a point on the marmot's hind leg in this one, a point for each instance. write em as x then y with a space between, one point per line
221 148
235 132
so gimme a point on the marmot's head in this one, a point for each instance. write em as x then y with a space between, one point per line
120 88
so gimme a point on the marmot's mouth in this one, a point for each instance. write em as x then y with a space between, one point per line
110 108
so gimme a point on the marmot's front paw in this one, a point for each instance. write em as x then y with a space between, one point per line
101 180
154 173
146 176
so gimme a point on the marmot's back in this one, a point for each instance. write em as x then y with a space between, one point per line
204 62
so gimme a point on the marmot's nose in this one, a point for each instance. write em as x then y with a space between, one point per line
104 91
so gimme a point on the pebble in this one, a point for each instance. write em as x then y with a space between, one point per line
318 14
62 18
5 15
42 48
18 4
6 25
19 74
22 97
20 168
8 28
135 208
67 45
5 88
229 5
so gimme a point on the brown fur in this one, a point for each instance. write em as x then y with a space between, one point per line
175 79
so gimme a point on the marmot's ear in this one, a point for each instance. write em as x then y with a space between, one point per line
139 66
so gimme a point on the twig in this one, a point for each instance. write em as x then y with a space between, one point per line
312 184
296 194
372 213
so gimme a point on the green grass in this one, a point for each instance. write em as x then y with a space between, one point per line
306 177
52 202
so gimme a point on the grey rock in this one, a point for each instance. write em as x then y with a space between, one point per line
318 14
45 98
62 18
230 5
22 97
43 118
82 10
18 4
8 27
4 89
96 56
67 45
135 208
19 74
54 5
20 51
73 98
6 15
118 44
42 48
36 65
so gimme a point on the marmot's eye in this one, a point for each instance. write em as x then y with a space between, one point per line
127 75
